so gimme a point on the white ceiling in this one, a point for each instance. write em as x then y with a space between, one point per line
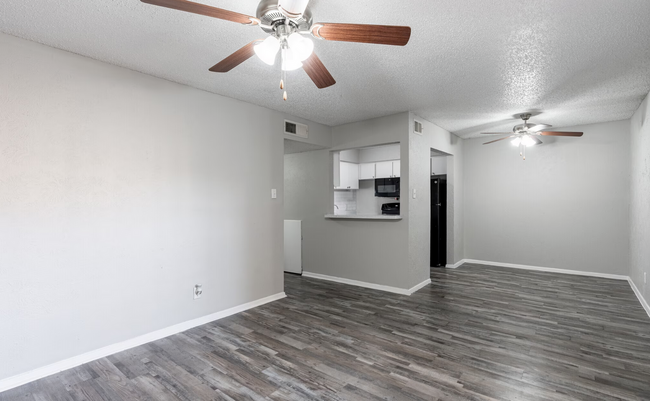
470 65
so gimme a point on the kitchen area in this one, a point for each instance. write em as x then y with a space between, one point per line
366 183
357 205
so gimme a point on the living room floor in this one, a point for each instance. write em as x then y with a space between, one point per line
476 333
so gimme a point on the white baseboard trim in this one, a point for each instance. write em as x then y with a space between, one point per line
380 287
39 373
455 265
547 269
640 296
417 287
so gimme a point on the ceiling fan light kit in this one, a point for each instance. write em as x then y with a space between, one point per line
288 22
267 50
527 134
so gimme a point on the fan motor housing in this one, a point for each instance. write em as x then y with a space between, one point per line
270 16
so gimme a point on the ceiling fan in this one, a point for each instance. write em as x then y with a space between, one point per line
527 134
289 22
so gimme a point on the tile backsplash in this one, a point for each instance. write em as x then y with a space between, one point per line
346 201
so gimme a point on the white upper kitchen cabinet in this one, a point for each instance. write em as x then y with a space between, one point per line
438 165
384 169
367 171
349 176
396 168
388 169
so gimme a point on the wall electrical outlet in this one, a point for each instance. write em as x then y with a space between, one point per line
644 277
414 193
274 193
198 291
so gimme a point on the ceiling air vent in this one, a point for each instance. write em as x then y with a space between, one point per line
296 129
417 127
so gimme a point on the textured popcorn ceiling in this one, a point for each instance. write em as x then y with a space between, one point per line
470 65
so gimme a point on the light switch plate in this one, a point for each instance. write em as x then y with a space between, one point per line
274 193
414 194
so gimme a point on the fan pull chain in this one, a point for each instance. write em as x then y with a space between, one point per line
284 85
524 152
283 77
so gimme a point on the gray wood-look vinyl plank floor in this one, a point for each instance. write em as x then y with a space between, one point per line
476 333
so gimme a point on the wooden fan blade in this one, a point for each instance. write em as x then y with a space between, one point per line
497 140
236 58
560 133
496 133
202 9
317 72
360 33
539 127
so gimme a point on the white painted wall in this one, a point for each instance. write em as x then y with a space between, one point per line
120 191
640 198
565 206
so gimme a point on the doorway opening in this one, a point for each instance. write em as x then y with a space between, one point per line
298 157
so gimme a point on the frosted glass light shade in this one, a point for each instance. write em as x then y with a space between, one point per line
294 7
301 46
528 141
267 50
289 60
525 140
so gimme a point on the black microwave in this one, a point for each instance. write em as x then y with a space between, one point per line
387 187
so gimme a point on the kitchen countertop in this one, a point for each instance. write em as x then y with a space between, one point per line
364 216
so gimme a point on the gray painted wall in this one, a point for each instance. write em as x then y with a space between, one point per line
350 249
120 191
350 155
320 135
380 153
565 206
419 169
640 198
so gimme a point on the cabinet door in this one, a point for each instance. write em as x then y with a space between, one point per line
396 168
349 176
438 165
336 158
366 171
384 169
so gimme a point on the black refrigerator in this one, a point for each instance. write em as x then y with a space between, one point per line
438 221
